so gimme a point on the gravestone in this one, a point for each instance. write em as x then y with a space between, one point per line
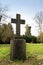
18 46
18 21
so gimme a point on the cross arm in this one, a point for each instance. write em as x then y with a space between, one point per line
22 21
13 20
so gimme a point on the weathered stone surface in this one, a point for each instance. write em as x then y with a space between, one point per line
18 46
18 49
18 21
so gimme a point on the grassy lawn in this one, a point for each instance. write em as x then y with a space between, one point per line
34 49
34 54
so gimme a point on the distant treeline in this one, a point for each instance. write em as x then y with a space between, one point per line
7 33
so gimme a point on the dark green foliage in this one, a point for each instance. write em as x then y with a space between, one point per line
1 42
34 39
29 39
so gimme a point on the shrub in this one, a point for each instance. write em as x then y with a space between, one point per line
6 33
29 39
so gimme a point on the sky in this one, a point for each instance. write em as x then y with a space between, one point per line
27 9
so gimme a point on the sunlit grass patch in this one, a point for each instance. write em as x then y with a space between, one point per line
34 54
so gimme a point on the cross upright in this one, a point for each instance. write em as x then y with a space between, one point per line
18 21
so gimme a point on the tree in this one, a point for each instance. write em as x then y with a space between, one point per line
28 30
3 12
39 20
6 32
40 37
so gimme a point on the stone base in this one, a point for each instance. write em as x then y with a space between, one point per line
18 49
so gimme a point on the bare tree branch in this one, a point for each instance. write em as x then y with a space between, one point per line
39 20
3 12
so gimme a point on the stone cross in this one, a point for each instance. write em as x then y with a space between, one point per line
18 21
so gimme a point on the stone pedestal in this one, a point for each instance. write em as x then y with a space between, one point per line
18 49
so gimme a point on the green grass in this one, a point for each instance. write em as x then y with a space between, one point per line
32 50
4 51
